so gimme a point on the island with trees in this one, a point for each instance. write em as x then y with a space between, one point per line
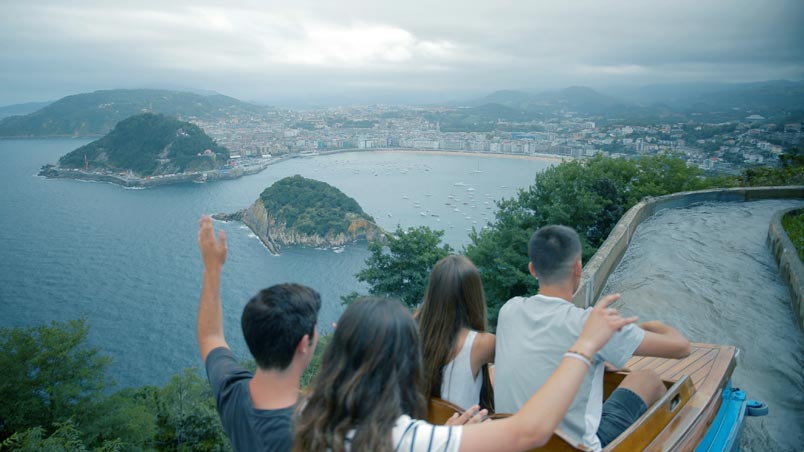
147 149
300 211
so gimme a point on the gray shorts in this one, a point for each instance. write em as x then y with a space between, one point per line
620 410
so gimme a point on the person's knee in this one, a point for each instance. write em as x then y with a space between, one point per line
646 384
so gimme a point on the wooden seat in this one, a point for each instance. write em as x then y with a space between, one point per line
636 437
440 410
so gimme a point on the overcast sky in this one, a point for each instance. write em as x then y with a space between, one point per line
286 52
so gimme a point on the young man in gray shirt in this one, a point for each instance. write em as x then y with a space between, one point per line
534 333
279 326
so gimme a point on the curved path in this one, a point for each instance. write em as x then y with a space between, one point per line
707 269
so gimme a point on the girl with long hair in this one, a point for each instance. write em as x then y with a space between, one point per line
367 395
457 349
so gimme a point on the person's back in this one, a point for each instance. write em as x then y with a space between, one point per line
532 336
256 409
534 333
247 427
459 384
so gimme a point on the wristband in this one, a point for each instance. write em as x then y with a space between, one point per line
579 357
577 352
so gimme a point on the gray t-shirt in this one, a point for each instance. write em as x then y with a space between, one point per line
532 336
248 428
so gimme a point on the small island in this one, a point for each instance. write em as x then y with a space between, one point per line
149 149
301 211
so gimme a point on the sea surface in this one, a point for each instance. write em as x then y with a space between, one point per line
708 270
127 259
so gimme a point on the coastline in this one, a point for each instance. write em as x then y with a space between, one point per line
53 172
537 157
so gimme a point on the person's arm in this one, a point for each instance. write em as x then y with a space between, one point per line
209 325
662 341
535 422
483 351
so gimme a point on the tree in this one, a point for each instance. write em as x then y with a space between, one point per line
587 195
402 271
790 171
65 438
49 375
187 417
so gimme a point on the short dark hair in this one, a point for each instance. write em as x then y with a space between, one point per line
553 250
276 319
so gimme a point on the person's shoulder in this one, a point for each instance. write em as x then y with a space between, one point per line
512 305
485 344
223 370
219 353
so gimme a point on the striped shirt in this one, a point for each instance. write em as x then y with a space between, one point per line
411 435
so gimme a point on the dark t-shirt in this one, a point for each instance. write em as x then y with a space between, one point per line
248 428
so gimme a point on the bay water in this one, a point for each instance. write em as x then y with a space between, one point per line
127 259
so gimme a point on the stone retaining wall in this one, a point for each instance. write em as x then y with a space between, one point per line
596 272
790 266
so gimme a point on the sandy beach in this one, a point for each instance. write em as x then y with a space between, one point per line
540 157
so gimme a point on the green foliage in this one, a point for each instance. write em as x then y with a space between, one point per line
53 399
149 144
310 206
402 271
790 172
794 227
127 416
588 195
187 418
49 375
65 438
312 369
692 133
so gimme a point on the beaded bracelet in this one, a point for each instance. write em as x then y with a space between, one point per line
579 357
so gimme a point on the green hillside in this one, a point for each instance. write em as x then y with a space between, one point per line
310 206
149 145
94 114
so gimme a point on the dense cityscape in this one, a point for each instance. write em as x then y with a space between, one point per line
725 147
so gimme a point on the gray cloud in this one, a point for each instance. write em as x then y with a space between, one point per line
270 50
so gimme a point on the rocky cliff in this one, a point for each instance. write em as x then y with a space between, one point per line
275 233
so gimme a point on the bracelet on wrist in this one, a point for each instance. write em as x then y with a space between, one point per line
578 352
579 357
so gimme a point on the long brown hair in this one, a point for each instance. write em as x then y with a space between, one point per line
370 374
454 300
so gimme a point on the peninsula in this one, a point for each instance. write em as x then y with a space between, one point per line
148 149
300 211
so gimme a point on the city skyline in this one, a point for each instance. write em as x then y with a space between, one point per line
308 53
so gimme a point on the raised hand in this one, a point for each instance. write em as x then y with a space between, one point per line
213 252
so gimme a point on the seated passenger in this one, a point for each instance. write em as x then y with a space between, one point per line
534 333
279 325
367 396
452 325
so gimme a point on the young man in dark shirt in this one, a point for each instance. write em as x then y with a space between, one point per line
279 326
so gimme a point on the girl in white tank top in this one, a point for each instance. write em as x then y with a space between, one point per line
454 307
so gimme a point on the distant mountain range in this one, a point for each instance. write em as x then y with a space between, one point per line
94 114
712 101
22 109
